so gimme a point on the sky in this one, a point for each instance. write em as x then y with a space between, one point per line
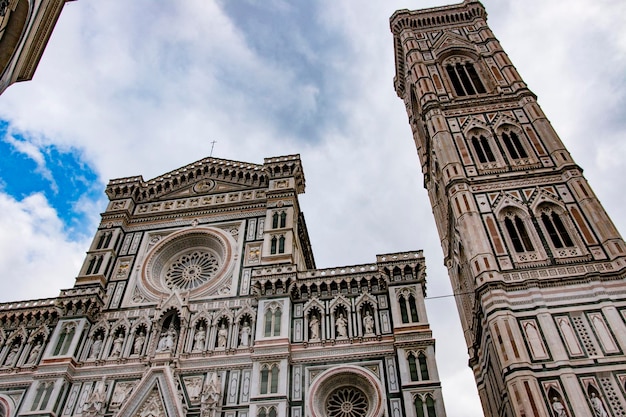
141 88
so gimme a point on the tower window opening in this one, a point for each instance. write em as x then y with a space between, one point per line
423 366
281 244
465 79
404 311
265 373
518 234
413 367
283 219
413 308
430 406
556 230
514 146
419 407
483 149
274 220
273 243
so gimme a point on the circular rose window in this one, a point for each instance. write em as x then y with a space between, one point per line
347 402
195 261
346 391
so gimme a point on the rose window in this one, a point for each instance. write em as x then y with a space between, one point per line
191 270
198 261
347 402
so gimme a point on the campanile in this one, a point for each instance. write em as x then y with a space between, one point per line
536 265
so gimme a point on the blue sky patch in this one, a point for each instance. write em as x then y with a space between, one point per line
60 174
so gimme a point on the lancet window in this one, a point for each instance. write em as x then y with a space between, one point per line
465 79
65 339
104 240
482 148
272 320
94 264
277 245
516 229
408 308
279 219
555 229
425 408
42 395
269 379
514 145
418 368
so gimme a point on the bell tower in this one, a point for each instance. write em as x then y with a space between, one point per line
535 262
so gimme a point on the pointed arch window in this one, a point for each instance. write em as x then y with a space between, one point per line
483 149
514 145
272 322
430 406
281 244
413 367
556 230
275 220
465 79
265 375
423 366
273 244
408 308
272 412
262 413
269 379
419 406
283 219
403 310
518 234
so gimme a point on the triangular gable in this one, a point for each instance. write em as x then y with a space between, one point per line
156 395
206 176
452 40
205 187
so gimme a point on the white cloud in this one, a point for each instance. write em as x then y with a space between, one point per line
37 258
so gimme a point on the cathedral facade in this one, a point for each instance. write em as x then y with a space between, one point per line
537 267
199 296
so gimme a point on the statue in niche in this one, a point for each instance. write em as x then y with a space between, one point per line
211 395
199 339
342 326
194 388
12 354
96 347
598 407
314 327
34 353
122 389
95 403
167 340
222 335
140 339
116 350
244 334
368 323
558 407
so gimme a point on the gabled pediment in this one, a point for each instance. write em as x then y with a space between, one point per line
207 176
155 395
205 187
450 40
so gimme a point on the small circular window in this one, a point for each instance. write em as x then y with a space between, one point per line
194 261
